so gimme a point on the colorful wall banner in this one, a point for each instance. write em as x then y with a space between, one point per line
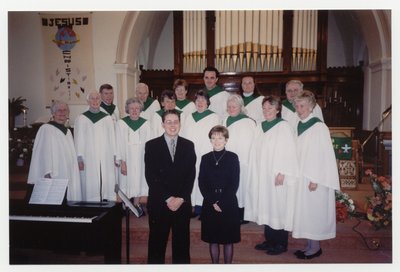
68 56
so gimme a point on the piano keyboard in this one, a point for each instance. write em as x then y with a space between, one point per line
52 218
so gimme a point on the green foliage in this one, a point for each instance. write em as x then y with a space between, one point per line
16 105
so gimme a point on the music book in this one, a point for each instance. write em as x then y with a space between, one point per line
125 200
48 191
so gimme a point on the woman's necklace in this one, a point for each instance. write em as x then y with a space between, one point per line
217 161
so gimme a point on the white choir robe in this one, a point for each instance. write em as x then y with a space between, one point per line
130 148
95 143
54 154
315 212
241 137
188 109
254 109
115 116
197 132
150 111
218 104
294 119
273 152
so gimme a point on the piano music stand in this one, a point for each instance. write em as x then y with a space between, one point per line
128 204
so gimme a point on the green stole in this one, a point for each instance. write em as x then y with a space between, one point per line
288 105
301 127
161 112
232 120
197 116
182 103
94 117
148 102
248 99
267 125
59 126
134 124
108 108
214 91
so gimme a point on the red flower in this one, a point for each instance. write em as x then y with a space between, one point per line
379 206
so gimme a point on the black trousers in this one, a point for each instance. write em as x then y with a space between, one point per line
160 224
276 237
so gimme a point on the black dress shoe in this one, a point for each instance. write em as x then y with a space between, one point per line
308 257
243 222
264 246
299 252
278 249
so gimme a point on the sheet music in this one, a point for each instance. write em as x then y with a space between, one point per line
126 200
49 191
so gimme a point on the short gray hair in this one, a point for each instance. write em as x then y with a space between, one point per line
295 81
55 104
141 84
90 93
132 101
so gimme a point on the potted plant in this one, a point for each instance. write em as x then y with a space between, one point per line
15 107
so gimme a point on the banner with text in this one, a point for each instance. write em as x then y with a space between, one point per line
68 56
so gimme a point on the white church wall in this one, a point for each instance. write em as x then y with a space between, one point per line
346 45
26 67
164 53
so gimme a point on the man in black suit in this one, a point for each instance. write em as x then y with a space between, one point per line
170 172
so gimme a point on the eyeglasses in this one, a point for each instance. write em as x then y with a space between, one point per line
171 122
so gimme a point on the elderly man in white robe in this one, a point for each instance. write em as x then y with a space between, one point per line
107 98
96 150
252 99
54 153
315 212
273 181
293 89
132 133
241 136
150 105
196 128
218 96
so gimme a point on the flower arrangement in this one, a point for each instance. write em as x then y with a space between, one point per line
344 206
20 147
379 206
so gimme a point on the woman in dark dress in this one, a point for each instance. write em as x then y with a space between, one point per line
219 182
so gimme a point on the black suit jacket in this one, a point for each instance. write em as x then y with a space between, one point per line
165 177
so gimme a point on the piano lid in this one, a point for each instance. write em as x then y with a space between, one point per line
74 208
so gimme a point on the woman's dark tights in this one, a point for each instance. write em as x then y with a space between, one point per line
228 253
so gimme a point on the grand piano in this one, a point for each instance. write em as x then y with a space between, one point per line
91 227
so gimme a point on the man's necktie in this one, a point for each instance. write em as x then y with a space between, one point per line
173 146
